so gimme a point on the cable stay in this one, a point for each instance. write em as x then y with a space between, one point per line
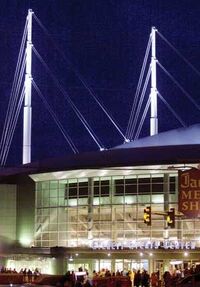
172 110
8 140
12 111
55 118
179 54
19 71
71 103
9 126
135 111
130 122
179 86
142 119
4 156
82 80
140 104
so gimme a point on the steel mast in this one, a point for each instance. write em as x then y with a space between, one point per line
27 122
154 92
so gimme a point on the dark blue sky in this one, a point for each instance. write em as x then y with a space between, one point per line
106 41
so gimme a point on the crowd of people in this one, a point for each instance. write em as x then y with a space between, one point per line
133 278
136 278
82 278
170 278
29 275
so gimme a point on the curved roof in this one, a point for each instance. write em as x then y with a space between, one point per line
181 136
185 154
161 149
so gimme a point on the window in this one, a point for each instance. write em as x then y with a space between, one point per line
101 188
83 189
140 185
71 190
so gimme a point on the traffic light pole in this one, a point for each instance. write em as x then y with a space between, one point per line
169 216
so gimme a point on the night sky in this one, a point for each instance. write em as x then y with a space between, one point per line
105 42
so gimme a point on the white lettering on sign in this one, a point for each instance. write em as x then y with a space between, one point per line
131 244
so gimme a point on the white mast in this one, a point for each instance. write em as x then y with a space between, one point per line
153 94
27 99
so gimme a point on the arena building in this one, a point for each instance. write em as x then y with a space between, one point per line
88 209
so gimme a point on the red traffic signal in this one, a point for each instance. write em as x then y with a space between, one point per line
147 215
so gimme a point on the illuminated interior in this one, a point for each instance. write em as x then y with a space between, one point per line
108 206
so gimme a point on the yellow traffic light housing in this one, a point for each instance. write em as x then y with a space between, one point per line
147 215
171 218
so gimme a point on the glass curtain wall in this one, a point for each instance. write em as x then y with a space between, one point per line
75 212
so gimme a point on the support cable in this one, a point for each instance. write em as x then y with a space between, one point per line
14 88
71 103
142 119
140 104
12 114
172 110
130 122
55 118
20 60
82 80
8 143
179 54
179 86
14 98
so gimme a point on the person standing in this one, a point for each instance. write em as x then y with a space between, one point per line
137 279
154 279
145 278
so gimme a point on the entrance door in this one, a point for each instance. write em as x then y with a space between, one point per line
159 267
105 264
76 266
131 264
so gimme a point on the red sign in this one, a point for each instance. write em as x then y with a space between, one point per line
189 192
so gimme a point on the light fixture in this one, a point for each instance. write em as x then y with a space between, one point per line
150 254
141 254
109 254
76 254
70 258
185 253
176 262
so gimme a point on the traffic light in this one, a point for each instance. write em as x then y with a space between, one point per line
171 218
147 215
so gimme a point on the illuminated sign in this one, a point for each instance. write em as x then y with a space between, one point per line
132 244
189 192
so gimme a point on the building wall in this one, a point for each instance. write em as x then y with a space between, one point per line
25 211
8 212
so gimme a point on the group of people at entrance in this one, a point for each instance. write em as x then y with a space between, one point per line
141 279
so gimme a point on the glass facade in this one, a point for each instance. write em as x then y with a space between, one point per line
73 212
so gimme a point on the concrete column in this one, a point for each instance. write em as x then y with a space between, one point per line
166 202
150 266
113 265
166 265
59 266
90 207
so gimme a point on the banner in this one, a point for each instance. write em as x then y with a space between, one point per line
189 192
